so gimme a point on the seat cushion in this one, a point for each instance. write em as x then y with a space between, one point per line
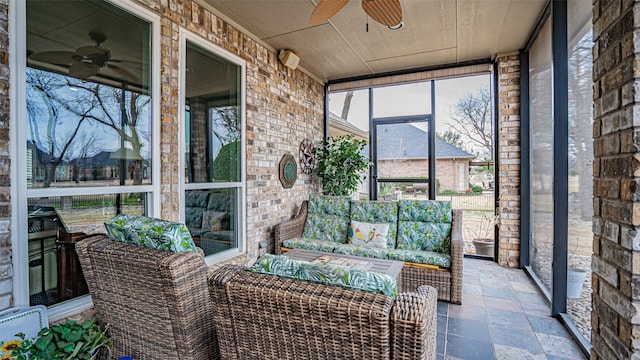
421 257
327 274
377 212
310 244
327 218
424 225
372 252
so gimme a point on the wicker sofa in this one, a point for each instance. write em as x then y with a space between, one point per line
155 302
260 316
429 260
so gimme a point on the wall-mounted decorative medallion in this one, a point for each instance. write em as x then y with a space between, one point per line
307 160
288 171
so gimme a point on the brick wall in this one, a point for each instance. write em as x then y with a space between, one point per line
509 160
283 108
6 269
447 170
616 171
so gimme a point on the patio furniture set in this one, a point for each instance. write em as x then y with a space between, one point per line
163 304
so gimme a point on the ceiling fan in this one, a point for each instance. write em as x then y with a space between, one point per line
386 12
86 61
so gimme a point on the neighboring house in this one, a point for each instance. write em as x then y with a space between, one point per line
403 152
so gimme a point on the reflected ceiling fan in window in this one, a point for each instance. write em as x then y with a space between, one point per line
87 61
386 12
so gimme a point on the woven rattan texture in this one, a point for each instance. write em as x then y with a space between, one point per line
156 303
290 229
268 317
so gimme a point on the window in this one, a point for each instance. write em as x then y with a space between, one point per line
88 136
213 147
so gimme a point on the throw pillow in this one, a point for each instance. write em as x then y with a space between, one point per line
367 234
212 220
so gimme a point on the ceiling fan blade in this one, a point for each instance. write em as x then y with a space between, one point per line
90 51
386 12
81 71
53 57
125 74
325 10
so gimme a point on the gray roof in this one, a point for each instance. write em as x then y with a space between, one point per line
405 141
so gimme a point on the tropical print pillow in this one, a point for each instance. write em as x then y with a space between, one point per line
427 236
425 211
368 235
115 225
154 233
373 282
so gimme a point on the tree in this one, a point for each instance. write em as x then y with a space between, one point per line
452 138
471 118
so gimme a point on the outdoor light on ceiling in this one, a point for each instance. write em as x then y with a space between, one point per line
399 26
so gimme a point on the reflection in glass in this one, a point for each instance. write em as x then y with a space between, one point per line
212 218
580 211
87 94
541 149
212 119
55 224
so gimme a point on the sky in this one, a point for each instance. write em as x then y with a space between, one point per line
410 99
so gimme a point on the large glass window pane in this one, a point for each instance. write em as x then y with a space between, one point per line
88 103
402 100
55 224
213 118
88 112
541 155
580 164
212 218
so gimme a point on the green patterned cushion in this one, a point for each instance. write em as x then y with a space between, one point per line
349 249
326 274
377 212
329 205
425 210
310 244
114 227
156 234
424 225
326 227
421 257
428 236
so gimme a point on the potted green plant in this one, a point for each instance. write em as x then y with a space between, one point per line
68 340
338 164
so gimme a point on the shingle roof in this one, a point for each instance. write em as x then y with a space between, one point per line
405 141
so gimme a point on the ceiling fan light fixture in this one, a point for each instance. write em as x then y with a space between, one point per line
399 26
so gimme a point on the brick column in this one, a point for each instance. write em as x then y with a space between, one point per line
616 170
509 160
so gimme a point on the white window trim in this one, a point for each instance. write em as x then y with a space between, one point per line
19 191
241 186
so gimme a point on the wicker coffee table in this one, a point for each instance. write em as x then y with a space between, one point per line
389 267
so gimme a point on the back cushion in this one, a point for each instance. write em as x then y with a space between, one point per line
424 225
327 218
151 233
194 204
377 212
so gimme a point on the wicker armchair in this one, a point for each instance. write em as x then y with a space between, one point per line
413 275
156 303
261 316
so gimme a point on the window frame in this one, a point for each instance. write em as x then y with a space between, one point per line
186 35
18 120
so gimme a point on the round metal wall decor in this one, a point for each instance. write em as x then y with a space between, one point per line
307 160
288 171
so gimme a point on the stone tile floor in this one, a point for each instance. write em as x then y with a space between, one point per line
503 316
